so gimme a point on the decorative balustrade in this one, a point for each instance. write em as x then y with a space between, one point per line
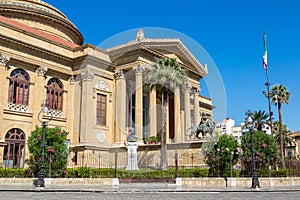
17 107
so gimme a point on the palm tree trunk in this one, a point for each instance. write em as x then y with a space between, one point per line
281 135
164 160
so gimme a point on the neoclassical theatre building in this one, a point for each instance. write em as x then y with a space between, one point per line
96 95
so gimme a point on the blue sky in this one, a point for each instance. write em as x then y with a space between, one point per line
230 31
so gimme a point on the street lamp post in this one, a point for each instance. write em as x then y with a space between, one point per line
176 164
250 125
40 182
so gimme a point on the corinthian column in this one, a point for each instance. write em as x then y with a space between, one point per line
139 102
120 107
153 113
187 112
177 119
196 108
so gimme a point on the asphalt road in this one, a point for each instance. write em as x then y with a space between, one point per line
252 195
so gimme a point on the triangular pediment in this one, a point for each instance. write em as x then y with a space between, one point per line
159 48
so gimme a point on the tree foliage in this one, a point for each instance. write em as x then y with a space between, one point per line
56 152
223 156
280 95
266 151
165 76
260 118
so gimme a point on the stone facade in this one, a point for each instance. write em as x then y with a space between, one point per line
102 91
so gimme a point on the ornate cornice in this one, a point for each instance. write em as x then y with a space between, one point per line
19 44
165 44
206 105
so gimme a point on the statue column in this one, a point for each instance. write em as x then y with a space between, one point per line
139 102
177 120
196 108
120 107
153 113
187 112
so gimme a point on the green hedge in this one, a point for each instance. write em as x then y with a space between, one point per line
14 173
279 173
86 172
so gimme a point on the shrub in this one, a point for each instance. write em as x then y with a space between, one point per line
56 152
14 173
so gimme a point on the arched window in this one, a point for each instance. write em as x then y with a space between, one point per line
18 87
14 150
55 94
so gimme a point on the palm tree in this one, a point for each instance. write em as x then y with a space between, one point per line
260 118
164 76
280 95
287 139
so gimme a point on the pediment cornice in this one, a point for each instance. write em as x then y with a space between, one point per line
159 47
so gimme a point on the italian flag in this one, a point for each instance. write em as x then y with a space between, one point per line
265 57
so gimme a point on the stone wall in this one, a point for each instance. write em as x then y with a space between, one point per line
238 182
211 182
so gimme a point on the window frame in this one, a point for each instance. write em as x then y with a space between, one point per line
19 87
101 109
54 94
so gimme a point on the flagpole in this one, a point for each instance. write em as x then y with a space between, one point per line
269 101
268 95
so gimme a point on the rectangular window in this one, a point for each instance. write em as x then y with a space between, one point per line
101 110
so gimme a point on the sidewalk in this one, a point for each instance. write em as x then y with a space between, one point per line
139 188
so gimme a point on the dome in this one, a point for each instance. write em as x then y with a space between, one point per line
42 16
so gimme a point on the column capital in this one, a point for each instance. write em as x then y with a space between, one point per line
139 69
4 60
196 91
119 74
188 88
41 71
72 80
87 76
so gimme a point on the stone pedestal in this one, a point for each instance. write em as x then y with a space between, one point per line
132 156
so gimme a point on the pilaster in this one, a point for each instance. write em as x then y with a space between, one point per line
37 94
86 97
70 109
3 87
120 107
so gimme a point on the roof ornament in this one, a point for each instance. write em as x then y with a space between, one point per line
140 35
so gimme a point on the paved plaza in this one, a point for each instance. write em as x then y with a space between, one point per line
150 195
155 191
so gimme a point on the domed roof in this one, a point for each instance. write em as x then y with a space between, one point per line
34 4
43 16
